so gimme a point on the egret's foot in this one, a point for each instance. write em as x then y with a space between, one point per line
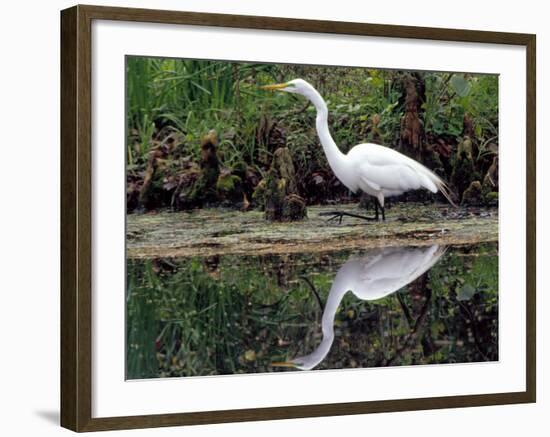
339 215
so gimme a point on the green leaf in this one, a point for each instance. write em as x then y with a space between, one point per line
250 355
466 292
460 85
478 130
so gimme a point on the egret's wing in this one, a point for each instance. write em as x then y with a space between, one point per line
390 177
391 170
393 269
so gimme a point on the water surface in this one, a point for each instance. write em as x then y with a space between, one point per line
387 306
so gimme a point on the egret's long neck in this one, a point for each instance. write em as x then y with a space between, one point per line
337 291
335 296
336 159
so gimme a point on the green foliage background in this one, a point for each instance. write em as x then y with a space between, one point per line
192 97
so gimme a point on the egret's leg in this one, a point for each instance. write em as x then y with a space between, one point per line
339 215
383 209
380 203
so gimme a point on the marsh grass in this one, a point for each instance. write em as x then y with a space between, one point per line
191 96
195 96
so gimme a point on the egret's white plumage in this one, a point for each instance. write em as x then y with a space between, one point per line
377 274
374 169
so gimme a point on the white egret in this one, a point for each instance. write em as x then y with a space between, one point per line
371 168
378 274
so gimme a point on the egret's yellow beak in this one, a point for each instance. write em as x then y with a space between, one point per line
274 87
283 364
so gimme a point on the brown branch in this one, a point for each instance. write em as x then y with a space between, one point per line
414 334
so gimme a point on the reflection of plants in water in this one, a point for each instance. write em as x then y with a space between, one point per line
466 306
212 316
234 314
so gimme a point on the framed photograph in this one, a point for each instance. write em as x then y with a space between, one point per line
268 218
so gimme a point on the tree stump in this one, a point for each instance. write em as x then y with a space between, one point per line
489 187
230 190
411 131
279 191
464 170
205 187
473 195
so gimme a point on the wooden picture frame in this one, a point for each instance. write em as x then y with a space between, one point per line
76 217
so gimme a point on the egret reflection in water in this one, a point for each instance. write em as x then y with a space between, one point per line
233 314
373 276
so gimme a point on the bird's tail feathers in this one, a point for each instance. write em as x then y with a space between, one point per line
446 191
435 180
440 185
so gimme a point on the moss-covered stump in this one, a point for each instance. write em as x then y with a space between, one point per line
212 231
145 189
229 188
250 179
464 172
473 194
284 167
489 187
214 186
294 208
278 192
205 189
491 177
201 189
258 196
491 198
147 180
183 196
273 197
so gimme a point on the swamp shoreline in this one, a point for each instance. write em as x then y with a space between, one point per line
217 231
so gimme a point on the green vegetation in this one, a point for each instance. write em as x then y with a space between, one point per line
237 314
448 121
202 136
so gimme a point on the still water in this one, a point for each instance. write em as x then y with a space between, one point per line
387 306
